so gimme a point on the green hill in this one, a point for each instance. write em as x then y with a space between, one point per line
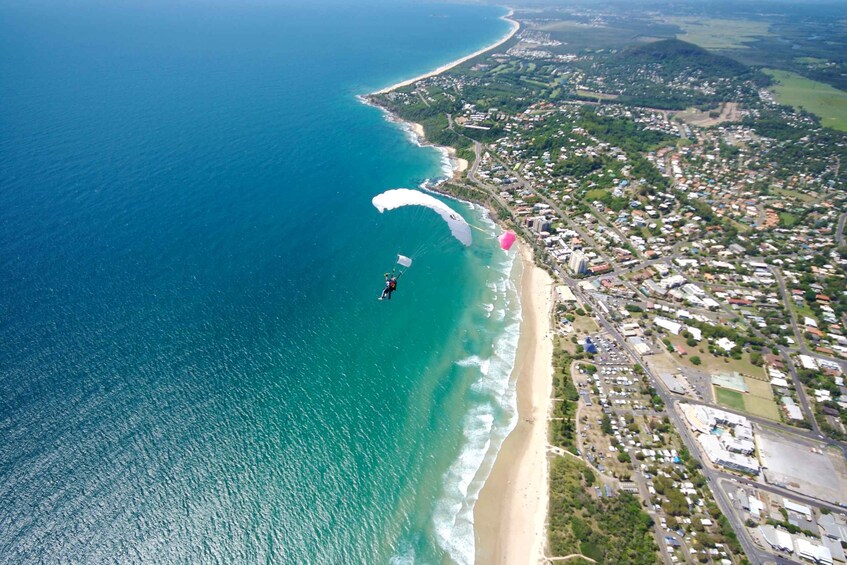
675 55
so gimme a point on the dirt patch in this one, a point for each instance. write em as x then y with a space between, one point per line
726 112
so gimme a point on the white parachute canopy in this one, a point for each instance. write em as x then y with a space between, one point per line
395 198
405 261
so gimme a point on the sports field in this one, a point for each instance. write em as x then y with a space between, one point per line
822 100
757 402
729 398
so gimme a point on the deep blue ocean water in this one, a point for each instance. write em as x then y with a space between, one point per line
193 363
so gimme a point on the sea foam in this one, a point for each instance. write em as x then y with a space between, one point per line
487 422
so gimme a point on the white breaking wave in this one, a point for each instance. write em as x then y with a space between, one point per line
485 426
474 361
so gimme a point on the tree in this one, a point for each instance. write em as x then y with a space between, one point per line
589 476
696 360
606 425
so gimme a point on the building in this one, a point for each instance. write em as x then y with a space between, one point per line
539 224
812 551
565 294
578 263
808 362
672 383
798 508
832 528
725 343
639 345
736 445
669 325
780 540
792 411
733 451
718 455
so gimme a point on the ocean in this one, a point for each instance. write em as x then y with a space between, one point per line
194 366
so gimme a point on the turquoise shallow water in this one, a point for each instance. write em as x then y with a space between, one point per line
194 367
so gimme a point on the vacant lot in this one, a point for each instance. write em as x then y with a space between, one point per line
790 462
822 100
729 398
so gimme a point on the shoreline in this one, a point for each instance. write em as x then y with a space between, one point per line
457 164
511 511
515 26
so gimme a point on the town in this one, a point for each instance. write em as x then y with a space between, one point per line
695 228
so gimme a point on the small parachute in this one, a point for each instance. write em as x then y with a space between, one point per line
507 240
405 261
398 197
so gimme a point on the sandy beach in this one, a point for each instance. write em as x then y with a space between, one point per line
459 165
511 512
515 26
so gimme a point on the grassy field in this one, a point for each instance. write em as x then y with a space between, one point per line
597 95
585 325
822 100
760 401
715 33
761 407
810 60
788 220
727 365
792 194
729 398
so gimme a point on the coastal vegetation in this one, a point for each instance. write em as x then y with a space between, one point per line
608 530
563 426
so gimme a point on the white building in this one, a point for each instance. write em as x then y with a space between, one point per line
808 362
812 551
673 327
578 263
780 540
798 508
725 343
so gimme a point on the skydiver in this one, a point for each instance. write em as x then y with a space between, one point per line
390 285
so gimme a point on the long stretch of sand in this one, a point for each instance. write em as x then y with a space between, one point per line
515 26
510 514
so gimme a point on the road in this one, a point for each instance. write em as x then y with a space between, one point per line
754 552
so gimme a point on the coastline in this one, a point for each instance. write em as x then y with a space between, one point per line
511 511
416 131
515 26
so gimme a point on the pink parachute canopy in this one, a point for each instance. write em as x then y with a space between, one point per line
506 240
